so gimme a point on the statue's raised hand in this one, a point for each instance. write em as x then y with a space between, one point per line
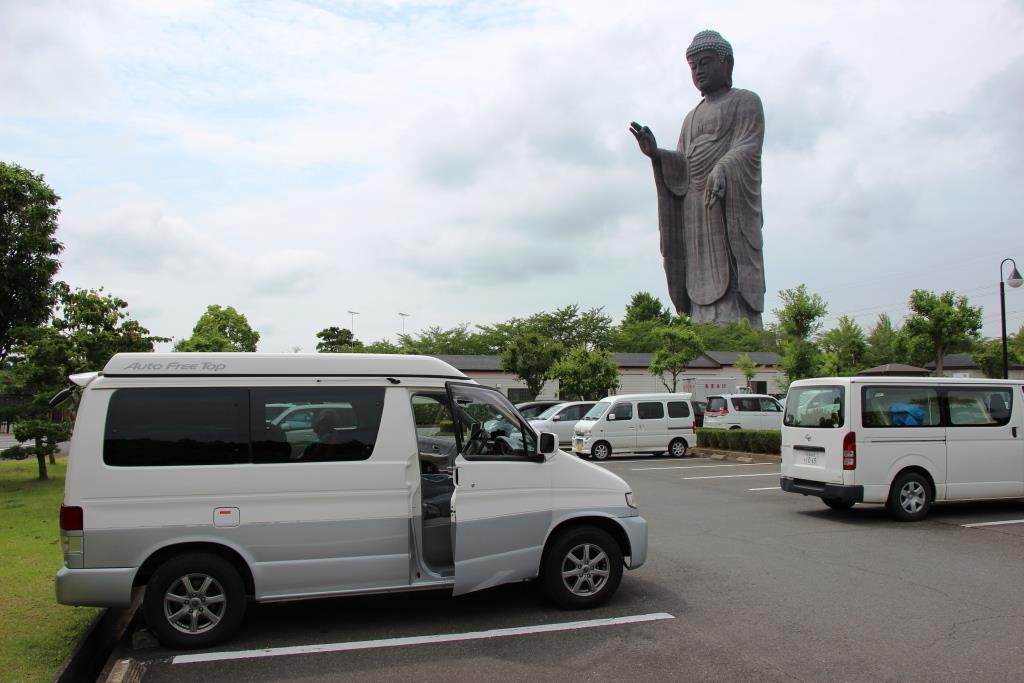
645 138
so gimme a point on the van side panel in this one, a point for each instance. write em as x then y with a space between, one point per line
306 528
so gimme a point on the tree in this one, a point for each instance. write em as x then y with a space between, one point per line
337 340
530 357
677 346
28 251
436 341
989 357
220 329
944 323
84 332
591 329
799 319
845 348
739 336
644 307
747 368
586 375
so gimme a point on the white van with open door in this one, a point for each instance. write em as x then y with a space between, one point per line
903 441
186 475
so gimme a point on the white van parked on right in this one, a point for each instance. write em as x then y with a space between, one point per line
743 411
903 441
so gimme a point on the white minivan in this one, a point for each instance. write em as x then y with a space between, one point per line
183 477
903 441
637 423
743 411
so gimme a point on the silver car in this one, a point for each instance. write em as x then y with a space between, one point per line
561 418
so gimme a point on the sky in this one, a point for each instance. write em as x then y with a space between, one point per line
470 162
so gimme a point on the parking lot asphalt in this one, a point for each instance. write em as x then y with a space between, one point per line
742 582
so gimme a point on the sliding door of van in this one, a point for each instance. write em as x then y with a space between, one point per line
985 454
652 426
501 509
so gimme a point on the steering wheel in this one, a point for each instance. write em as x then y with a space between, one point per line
504 446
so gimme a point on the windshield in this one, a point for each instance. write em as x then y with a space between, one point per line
597 411
820 406
546 415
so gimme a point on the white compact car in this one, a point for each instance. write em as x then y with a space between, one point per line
743 411
211 479
560 419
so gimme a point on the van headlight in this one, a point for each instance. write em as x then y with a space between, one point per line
631 500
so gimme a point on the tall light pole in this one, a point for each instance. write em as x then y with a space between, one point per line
404 316
352 325
1014 281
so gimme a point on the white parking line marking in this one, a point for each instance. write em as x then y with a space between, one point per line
1009 521
693 467
733 476
768 488
416 640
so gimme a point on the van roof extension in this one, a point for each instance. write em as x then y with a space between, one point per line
278 364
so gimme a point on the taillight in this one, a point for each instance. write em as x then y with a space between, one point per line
694 425
850 451
71 518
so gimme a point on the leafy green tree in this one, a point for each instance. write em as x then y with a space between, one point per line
28 251
799 319
944 323
845 348
87 329
989 357
337 340
645 307
586 374
677 346
567 326
435 341
220 329
1015 346
530 356
883 344
739 336
747 368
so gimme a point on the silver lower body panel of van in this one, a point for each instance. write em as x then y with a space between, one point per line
108 587
636 530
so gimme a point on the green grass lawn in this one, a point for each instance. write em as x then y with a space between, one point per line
36 633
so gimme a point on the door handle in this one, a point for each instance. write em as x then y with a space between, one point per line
456 476
1013 431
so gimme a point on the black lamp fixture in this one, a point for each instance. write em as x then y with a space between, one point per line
1015 280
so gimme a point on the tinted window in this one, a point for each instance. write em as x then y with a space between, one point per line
678 409
650 410
900 406
716 403
572 413
746 405
821 406
623 411
322 424
770 405
177 426
981 407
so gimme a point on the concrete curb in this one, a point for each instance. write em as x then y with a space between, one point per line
736 456
91 653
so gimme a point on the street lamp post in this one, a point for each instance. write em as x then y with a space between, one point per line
404 316
1014 281
353 314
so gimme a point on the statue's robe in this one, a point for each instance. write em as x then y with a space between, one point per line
713 259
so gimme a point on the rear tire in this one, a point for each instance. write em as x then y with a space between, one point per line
910 497
837 504
194 601
582 568
677 449
600 451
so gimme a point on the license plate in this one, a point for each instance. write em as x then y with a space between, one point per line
578 447
810 458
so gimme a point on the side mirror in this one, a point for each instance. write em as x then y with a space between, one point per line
611 417
556 418
547 444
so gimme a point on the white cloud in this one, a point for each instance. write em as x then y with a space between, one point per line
469 162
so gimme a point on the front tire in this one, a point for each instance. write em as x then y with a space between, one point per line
582 569
910 497
677 449
601 451
194 601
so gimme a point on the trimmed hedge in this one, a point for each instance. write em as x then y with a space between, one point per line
749 440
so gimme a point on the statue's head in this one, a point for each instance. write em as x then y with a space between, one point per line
710 59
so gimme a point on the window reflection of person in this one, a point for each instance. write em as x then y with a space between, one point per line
328 438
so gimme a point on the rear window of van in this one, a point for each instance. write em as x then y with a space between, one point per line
815 407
